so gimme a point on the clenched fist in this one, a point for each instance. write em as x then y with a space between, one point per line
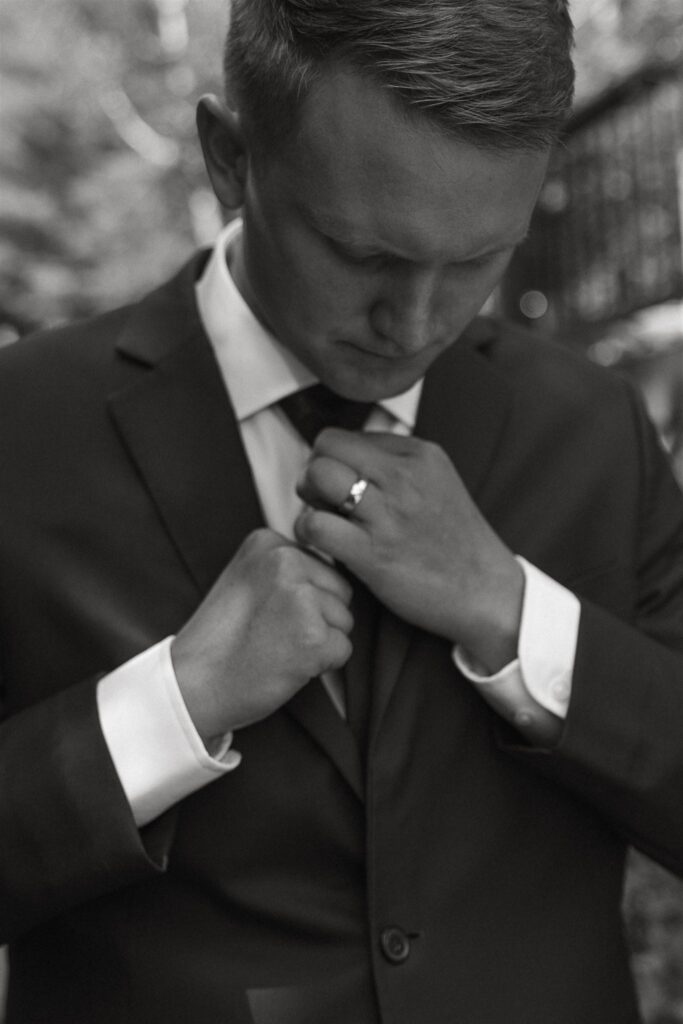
276 617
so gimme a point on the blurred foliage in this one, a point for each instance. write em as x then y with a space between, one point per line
103 192
653 910
617 37
102 187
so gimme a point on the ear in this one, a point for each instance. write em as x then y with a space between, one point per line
224 149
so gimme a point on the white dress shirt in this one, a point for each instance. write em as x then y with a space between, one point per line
155 748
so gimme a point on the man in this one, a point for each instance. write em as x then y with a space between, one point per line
316 724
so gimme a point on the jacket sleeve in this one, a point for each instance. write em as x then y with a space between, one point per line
67 831
621 748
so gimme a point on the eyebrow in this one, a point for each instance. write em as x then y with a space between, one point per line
357 245
492 250
339 234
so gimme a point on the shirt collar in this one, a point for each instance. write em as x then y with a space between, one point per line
258 371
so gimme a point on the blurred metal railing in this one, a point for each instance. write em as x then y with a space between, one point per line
607 236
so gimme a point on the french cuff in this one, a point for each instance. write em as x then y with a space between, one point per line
533 691
547 639
157 752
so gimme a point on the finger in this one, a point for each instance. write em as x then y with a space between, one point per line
338 650
335 612
265 539
371 454
326 578
341 538
327 482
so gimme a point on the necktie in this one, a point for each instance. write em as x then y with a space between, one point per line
316 407
310 411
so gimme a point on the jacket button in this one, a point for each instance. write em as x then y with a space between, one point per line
395 945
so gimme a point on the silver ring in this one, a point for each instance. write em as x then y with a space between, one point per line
354 497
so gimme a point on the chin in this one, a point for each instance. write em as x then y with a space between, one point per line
366 377
369 388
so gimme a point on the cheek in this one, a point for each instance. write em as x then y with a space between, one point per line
493 275
467 293
325 293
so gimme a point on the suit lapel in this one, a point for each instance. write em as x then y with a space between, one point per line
463 408
181 433
313 710
178 426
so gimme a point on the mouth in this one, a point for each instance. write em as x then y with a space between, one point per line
394 358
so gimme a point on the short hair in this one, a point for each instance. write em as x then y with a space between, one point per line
496 73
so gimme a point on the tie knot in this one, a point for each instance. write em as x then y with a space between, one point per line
316 407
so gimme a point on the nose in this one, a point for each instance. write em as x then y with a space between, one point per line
404 313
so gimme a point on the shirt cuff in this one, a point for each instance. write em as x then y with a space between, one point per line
533 691
157 752
547 639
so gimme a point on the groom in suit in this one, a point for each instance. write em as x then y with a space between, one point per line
341 644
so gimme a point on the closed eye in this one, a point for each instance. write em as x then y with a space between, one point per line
377 259
358 256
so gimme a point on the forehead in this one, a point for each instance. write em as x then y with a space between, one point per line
359 166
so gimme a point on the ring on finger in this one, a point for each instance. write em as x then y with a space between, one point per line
354 497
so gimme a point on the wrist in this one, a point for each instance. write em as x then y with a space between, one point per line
194 696
492 636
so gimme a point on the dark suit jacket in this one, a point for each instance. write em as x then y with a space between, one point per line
267 896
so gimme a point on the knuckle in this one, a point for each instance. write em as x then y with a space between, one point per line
314 472
283 566
312 632
324 440
258 542
394 476
312 525
304 601
261 537
384 549
341 650
434 453
251 542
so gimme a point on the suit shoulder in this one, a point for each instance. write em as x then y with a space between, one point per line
55 381
555 373
69 348
87 349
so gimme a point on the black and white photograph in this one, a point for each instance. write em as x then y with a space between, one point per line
341 512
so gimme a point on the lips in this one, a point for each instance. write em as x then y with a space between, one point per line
389 357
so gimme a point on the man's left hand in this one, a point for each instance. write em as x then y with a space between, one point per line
416 539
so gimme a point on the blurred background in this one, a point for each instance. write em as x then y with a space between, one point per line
103 194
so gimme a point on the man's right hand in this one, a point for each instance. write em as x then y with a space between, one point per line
276 617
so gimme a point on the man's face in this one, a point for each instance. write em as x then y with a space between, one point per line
371 240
